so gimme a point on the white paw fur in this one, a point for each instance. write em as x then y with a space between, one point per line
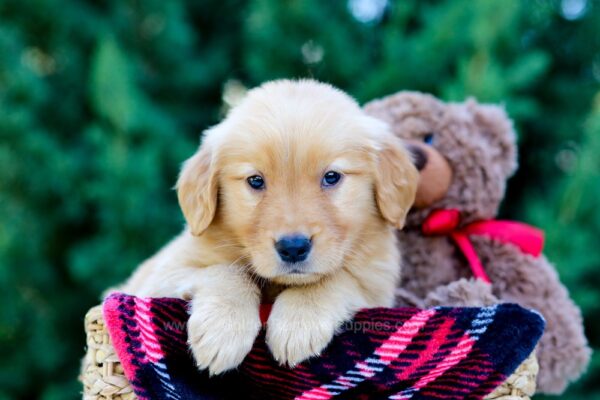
221 336
296 333
224 320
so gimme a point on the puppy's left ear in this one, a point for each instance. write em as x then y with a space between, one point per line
396 180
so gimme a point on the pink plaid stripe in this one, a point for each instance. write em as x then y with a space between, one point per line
461 351
143 316
389 350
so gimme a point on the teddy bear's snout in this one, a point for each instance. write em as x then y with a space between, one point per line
419 157
434 170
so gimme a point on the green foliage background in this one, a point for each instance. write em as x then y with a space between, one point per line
100 101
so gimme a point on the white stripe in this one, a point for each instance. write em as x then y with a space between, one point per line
370 368
334 387
355 372
477 332
482 321
347 385
352 379
161 365
169 387
163 374
401 396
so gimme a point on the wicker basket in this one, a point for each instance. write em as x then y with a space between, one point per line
103 378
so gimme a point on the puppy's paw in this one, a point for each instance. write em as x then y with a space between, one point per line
295 334
220 337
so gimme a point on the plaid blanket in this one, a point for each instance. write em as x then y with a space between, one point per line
402 353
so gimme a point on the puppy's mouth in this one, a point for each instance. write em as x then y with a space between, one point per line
301 268
297 273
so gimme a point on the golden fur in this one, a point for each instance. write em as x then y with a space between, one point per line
290 133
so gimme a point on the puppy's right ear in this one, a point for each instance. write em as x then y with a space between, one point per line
197 190
396 180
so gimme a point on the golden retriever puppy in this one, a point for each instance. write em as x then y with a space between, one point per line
295 194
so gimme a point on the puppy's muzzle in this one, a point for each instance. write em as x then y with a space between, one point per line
293 248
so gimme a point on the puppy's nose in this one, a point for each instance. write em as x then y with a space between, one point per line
418 155
293 248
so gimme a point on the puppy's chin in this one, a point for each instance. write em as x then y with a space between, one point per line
296 279
301 274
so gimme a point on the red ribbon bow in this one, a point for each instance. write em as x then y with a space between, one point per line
445 222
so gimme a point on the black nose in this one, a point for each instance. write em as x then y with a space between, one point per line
418 155
293 248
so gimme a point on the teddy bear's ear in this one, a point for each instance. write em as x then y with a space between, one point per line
408 113
495 125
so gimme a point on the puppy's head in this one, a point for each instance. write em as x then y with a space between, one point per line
299 178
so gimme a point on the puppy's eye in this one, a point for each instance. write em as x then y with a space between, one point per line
256 182
331 178
428 139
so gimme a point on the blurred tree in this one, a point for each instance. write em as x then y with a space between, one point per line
100 101
572 225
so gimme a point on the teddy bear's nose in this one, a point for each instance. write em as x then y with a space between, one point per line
419 156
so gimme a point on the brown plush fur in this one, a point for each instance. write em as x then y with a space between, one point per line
479 143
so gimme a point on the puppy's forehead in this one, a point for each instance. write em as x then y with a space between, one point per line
308 127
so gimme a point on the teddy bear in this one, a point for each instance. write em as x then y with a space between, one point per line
454 251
